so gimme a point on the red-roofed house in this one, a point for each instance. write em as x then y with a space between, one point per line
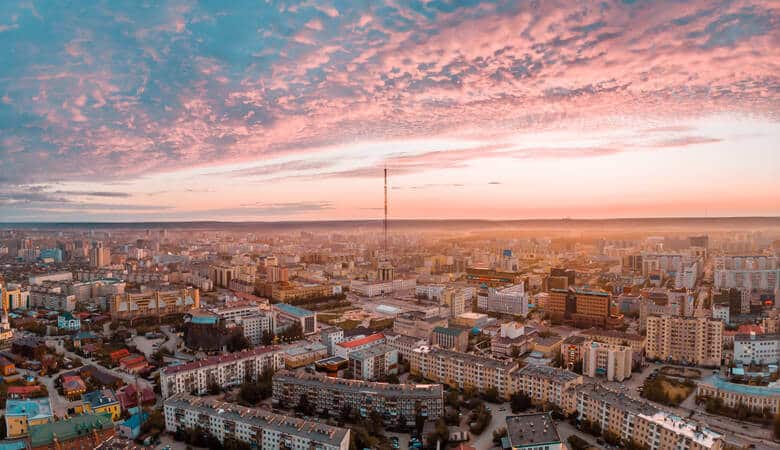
344 348
24 391
133 363
128 397
119 354
73 386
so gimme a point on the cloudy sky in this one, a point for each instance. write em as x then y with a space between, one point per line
183 110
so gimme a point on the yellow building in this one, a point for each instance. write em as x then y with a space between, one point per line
20 414
102 402
463 370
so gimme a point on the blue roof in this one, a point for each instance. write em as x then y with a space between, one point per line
294 310
135 420
38 408
724 385
13 445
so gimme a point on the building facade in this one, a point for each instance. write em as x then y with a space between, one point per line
224 370
153 303
613 362
396 403
251 425
696 341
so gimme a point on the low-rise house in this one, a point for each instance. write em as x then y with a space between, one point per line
20 415
73 386
103 401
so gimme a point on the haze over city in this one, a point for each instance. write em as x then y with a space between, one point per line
181 110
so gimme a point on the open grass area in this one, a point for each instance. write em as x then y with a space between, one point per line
667 391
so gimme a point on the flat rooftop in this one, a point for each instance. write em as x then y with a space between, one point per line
537 429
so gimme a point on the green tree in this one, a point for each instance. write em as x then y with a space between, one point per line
519 402
776 426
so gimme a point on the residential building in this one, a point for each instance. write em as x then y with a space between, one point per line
583 308
755 348
344 348
639 422
615 337
396 403
509 300
610 361
82 432
153 303
756 398
257 325
533 432
230 369
289 313
99 256
373 363
450 338
685 340
543 384
721 312
251 425
462 369
21 414
331 336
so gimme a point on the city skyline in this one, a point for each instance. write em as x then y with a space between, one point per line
197 111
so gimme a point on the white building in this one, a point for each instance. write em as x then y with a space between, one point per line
429 291
344 348
374 363
509 300
256 325
721 312
231 369
612 362
252 426
370 289
757 348
330 337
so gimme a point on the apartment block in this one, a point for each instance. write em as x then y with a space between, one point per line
462 370
639 422
251 425
396 403
612 362
231 369
153 303
685 340
374 363
544 384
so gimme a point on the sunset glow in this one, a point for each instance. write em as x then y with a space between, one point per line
496 110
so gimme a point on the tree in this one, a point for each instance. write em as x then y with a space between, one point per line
520 402
453 398
238 342
577 443
491 395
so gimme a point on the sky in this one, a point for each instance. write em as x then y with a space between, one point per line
251 110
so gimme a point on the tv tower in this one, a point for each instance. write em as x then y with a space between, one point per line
385 223
385 271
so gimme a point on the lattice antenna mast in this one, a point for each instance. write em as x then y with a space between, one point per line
385 222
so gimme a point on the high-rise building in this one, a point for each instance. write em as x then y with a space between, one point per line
99 256
685 339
